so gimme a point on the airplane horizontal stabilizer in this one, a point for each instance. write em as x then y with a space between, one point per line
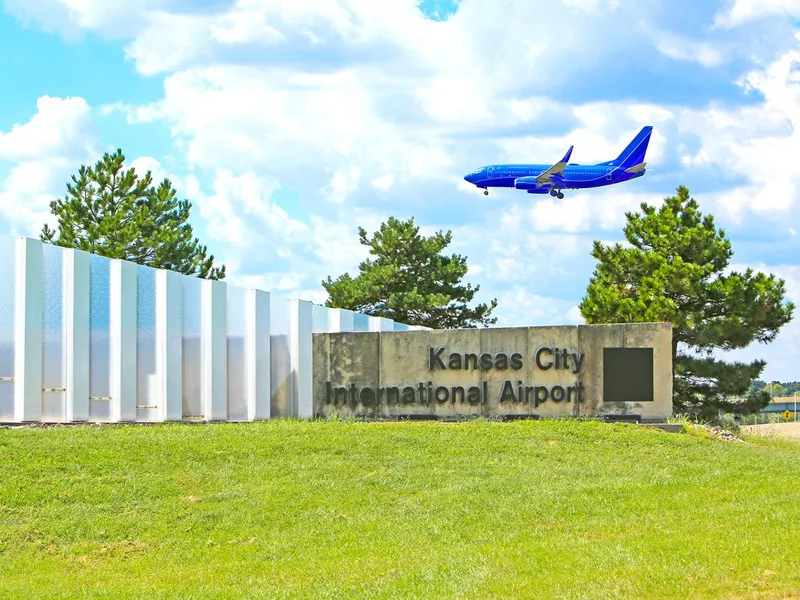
636 168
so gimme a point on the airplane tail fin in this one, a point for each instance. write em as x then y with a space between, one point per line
634 152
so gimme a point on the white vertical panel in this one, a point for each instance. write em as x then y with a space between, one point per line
28 331
169 345
122 300
302 359
380 324
214 350
342 320
258 355
76 333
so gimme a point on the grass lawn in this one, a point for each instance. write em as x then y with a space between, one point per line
287 509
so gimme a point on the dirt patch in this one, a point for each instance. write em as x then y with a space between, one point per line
785 430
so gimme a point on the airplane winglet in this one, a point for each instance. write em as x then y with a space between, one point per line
567 155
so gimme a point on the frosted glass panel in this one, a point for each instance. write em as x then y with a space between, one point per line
237 402
146 385
53 333
53 409
7 306
99 346
192 315
361 322
320 319
280 316
280 368
283 380
6 401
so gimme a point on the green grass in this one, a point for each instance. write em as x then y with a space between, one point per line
348 510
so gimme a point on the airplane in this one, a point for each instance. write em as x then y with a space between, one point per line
564 175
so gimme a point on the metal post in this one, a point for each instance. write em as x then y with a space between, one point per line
28 331
257 355
169 345
122 329
214 349
76 317
302 359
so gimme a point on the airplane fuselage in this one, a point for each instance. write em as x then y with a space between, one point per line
565 175
574 177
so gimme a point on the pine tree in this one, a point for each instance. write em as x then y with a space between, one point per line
676 270
111 211
410 280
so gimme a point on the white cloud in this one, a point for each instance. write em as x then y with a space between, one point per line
72 18
263 247
758 142
342 184
143 164
239 213
277 119
43 152
383 183
337 247
25 195
682 49
59 127
522 307
739 12
274 282
454 99
576 212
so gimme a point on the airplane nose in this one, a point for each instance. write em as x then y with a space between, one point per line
470 178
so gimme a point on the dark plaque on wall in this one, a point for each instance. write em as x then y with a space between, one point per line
628 375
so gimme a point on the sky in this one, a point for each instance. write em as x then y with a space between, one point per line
290 123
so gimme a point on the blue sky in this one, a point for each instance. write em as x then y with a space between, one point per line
288 124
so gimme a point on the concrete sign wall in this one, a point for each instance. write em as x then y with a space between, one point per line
587 370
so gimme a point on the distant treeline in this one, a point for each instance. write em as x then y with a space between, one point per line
779 388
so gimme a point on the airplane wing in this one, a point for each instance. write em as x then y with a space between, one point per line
556 170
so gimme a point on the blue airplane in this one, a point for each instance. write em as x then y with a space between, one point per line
564 175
